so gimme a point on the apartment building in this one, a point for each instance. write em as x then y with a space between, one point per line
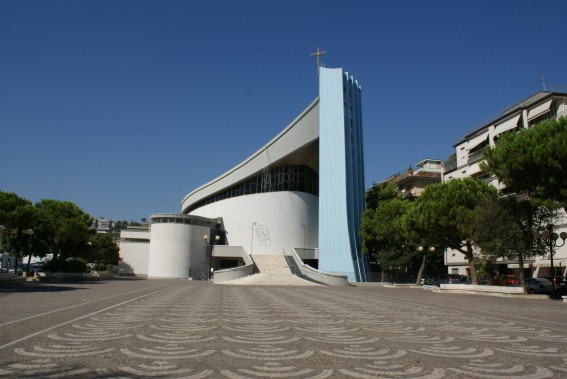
469 154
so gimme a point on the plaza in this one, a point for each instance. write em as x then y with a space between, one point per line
195 329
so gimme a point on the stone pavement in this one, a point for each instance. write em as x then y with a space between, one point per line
184 329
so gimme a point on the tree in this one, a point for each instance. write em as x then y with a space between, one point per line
103 249
443 216
505 229
17 216
62 229
380 192
533 160
384 236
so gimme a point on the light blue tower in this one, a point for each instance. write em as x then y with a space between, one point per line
341 175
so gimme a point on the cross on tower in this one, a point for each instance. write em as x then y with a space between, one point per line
318 54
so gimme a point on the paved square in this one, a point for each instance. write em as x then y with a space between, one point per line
183 329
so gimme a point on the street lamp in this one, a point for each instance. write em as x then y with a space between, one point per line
252 236
303 226
423 250
210 245
551 238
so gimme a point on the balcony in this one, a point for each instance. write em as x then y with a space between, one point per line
416 175
476 156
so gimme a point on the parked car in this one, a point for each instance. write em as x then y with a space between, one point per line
451 279
560 281
427 280
539 285
508 280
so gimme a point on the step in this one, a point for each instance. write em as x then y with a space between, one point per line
273 271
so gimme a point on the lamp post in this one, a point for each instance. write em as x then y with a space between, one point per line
423 250
252 236
303 226
551 238
210 245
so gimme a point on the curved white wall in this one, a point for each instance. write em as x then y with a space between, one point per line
170 249
279 217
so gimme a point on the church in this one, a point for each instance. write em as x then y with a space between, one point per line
300 196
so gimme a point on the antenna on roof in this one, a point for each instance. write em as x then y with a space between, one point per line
318 54
542 80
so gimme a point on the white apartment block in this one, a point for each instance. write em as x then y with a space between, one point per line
469 154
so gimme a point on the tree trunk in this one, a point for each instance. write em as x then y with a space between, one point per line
421 270
472 267
522 273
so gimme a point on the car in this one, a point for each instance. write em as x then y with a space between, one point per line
427 280
539 285
560 281
508 280
450 279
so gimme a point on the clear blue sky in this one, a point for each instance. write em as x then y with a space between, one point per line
123 107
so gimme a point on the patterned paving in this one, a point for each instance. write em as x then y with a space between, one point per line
287 332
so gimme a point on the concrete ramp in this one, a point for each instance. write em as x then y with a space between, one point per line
273 271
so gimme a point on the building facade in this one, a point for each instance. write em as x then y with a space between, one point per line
469 155
413 182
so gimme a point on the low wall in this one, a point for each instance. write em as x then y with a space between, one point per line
486 290
233 272
319 276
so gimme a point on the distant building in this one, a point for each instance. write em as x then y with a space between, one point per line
103 225
413 182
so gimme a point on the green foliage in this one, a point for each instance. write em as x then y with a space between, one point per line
17 216
67 265
533 160
443 216
384 235
450 161
103 250
62 228
380 192
505 227
444 213
15 212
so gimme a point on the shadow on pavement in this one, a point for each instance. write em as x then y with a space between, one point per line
38 287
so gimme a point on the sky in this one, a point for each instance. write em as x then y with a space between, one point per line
123 107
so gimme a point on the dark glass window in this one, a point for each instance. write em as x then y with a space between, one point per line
284 178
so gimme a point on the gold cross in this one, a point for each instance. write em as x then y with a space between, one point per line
318 54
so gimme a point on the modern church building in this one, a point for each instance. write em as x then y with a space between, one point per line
300 195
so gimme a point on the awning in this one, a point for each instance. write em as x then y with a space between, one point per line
542 108
507 125
478 140
542 264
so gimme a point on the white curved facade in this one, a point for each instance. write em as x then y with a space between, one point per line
267 223
177 246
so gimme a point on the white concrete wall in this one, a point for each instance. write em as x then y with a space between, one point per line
279 217
134 257
175 248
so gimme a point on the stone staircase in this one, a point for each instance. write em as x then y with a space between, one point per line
273 271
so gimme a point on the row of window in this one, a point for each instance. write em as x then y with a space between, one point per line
142 240
298 178
181 220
